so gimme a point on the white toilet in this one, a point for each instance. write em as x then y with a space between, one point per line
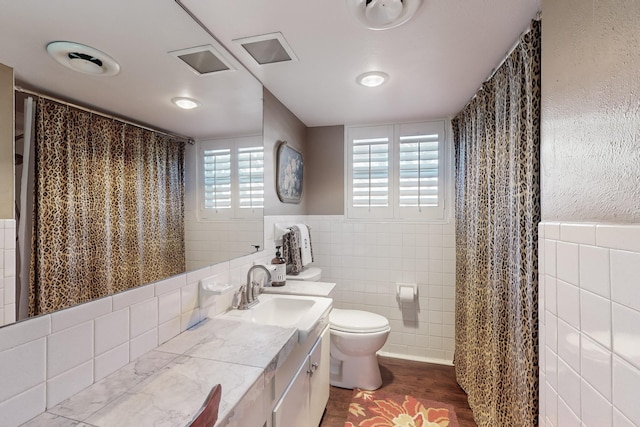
356 337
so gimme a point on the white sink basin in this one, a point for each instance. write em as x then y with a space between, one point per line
305 313
281 311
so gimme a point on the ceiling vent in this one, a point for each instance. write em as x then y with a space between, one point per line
268 48
83 58
207 60
383 14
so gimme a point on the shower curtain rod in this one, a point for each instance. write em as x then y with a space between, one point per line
100 113
506 55
515 45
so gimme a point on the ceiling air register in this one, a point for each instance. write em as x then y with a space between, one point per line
383 14
83 58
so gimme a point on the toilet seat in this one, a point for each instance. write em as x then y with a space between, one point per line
357 321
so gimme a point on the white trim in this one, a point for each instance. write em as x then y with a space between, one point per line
416 358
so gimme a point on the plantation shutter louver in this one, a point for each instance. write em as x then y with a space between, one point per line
251 177
370 172
418 177
217 179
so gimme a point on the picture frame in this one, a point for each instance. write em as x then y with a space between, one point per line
289 173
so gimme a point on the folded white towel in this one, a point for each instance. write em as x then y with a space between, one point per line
305 245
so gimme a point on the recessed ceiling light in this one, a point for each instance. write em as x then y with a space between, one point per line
372 78
186 103
82 58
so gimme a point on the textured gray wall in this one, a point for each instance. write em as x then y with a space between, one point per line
591 110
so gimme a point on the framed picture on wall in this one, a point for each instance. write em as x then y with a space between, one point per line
289 173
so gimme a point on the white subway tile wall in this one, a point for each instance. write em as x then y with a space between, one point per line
69 383
24 406
47 359
143 343
143 316
215 241
69 348
27 364
111 330
64 352
589 324
110 361
169 306
367 259
7 271
65 319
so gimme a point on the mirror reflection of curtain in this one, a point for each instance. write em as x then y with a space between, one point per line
497 139
108 207
24 214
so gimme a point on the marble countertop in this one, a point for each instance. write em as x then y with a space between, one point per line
301 287
167 386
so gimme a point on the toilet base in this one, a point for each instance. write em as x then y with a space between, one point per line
356 372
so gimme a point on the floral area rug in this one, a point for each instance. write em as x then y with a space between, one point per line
382 409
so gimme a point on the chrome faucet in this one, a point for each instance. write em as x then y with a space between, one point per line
249 292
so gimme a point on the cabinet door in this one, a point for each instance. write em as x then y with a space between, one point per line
319 380
293 407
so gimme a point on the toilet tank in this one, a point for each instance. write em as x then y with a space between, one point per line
308 274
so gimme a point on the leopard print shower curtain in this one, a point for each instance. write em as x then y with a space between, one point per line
108 207
497 142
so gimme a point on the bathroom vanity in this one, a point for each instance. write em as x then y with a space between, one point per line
269 377
298 392
307 391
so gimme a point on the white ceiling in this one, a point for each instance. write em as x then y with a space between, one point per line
436 61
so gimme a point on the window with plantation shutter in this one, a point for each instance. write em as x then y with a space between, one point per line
232 179
396 171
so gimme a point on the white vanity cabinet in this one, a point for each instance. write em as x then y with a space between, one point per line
319 379
252 411
303 401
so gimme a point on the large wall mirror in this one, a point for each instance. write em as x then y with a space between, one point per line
164 52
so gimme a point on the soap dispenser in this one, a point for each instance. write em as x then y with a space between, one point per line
280 274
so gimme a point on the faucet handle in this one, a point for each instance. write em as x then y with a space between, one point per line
255 292
241 295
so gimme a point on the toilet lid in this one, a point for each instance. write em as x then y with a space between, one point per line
357 321
308 274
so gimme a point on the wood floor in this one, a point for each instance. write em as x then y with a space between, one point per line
426 380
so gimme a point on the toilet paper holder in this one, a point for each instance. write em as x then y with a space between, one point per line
406 292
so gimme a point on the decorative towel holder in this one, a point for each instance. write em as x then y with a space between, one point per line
279 230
